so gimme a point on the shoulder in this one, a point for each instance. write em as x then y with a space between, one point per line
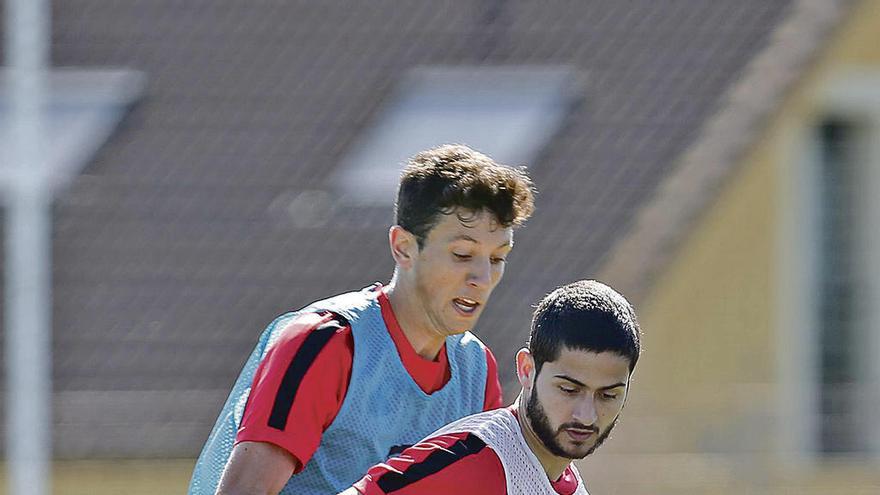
469 352
312 331
468 340
310 348
320 340
490 426
457 463
350 304
468 346
299 386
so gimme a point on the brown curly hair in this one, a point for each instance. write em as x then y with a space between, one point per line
454 178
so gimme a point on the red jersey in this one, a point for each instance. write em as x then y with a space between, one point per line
321 367
454 464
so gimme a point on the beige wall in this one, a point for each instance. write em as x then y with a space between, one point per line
705 396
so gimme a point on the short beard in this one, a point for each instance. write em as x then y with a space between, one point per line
542 428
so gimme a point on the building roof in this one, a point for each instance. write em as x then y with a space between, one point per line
692 185
177 244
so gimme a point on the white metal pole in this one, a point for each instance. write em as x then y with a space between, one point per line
28 348
27 281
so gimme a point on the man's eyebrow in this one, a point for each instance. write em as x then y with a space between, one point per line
465 237
609 387
578 383
572 380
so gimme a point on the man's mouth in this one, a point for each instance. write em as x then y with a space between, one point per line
465 306
580 433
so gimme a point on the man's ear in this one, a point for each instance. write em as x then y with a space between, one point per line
404 246
525 368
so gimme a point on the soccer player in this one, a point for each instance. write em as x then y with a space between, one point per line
575 375
348 381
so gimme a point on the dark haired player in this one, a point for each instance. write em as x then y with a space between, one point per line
346 382
575 373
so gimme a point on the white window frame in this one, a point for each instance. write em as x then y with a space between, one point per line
854 97
507 112
99 99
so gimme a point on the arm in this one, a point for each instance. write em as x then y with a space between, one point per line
450 464
294 397
257 468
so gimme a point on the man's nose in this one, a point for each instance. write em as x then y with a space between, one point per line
585 411
480 274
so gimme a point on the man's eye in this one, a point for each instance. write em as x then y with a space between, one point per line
609 396
496 261
568 390
462 257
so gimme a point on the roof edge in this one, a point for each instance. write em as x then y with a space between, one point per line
662 224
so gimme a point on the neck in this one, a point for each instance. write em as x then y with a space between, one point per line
411 317
553 465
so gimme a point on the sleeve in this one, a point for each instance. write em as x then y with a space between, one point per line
455 464
494 395
299 386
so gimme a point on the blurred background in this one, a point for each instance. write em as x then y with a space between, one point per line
225 161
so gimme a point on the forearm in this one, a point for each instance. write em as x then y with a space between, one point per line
256 468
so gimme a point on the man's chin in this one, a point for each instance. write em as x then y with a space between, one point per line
583 449
461 327
457 330
578 451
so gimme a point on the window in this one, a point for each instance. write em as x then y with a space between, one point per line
82 109
508 113
829 268
841 289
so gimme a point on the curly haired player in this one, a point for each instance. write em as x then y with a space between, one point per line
345 382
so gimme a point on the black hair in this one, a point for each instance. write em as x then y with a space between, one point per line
586 316
456 179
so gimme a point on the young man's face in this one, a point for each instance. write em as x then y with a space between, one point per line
575 401
458 267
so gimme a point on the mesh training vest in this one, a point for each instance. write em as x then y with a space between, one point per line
522 470
384 408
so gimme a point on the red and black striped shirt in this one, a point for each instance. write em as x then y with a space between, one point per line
452 464
299 386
